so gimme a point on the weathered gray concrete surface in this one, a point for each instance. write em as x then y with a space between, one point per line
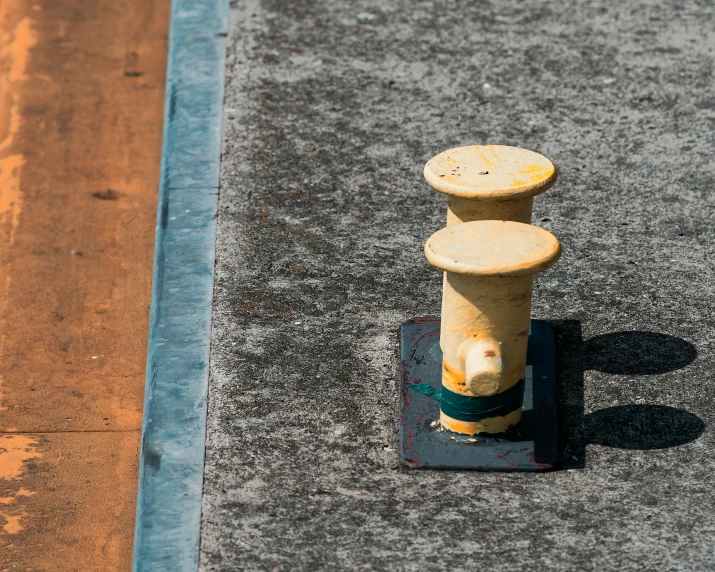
332 109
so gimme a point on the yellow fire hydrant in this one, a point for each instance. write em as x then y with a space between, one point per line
489 182
489 267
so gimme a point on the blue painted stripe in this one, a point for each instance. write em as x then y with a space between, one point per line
172 454
477 408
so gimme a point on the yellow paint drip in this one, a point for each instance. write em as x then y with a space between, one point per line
532 168
17 53
15 451
12 522
10 196
15 45
484 158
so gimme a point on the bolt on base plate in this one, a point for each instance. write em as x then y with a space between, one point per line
531 446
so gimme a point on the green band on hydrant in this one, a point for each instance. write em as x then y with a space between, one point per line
468 408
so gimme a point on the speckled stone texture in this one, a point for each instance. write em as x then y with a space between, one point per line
332 109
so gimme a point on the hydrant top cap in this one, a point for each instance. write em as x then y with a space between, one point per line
493 248
496 172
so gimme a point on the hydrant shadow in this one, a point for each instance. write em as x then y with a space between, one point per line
642 427
629 426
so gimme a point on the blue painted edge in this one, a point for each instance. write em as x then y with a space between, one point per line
168 518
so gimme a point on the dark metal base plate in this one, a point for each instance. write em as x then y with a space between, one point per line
532 446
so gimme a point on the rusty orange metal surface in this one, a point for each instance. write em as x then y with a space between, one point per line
81 108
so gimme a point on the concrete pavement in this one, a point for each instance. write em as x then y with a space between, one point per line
332 109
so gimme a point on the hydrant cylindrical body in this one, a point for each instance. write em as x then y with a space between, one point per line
489 268
461 210
484 336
